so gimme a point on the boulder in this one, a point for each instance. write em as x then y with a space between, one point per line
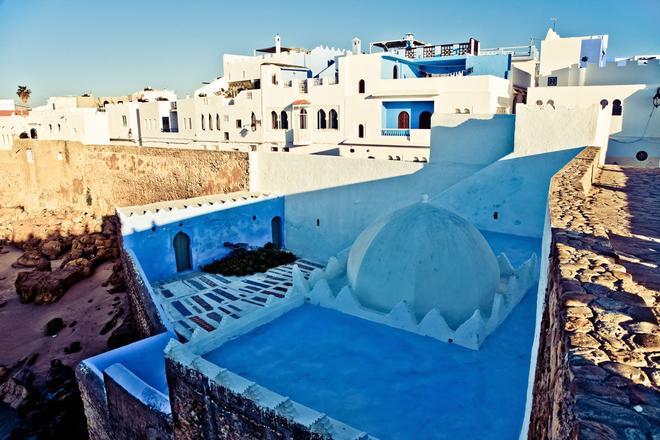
32 258
47 287
14 394
53 249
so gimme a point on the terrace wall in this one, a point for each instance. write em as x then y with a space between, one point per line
596 371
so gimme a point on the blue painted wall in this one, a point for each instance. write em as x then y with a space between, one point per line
391 110
155 250
496 65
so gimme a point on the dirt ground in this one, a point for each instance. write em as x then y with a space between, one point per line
85 309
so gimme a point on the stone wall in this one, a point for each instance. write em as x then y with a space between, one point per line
597 372
204 409
79 184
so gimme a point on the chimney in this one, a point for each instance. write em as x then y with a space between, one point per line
357 46
278 43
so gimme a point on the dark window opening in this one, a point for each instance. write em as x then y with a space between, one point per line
425 120
284 121
552 81
642 156
496 215
318 222
395 72
617 109
360 131
361 86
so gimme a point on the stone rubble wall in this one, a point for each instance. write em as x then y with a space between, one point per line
202 409
597 372
75 185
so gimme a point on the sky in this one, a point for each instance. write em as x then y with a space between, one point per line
115 47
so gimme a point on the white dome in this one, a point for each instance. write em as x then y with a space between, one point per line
429 257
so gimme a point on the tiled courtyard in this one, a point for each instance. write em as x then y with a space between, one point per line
204 300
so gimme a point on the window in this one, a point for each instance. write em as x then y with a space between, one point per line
403 120
617 109
124 120
203 123
226 135
360 131
284 120
425 120
50 127
210 122
217 121
334 120
361 86
552 81
303 119
395 72
190 123
640 156
239 124
604 103
274 79
253 121
273 120
321 122
59 128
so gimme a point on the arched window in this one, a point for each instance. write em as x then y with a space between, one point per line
217 121
284 121
210 122
50 127
320 120
253 121
395 72
361 86
334 119
403 120
466 110
617 108
33 133
303 119
550 103
105 103
59 128
425 120
360 131
182 252
273 120
604 103
203 123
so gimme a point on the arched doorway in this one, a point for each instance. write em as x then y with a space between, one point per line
361 86
404 120
360 131
33 133
182 252
425 120
276 231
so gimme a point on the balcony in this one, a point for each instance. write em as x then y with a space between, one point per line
440 50
395 132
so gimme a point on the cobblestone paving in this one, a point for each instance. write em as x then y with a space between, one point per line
203 300
608 246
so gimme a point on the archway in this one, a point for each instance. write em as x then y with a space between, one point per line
276 231
33 133
361 86
360 131
425 120
284 121
403 120
182 252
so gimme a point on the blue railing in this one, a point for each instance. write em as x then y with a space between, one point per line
395 132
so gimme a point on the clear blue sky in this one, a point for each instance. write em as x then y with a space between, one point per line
107 47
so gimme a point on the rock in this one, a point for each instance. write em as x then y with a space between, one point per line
14 394
646 342
53 249
58 375
32 258
54 326
24 376
122 335
112 322
47 287
74 347
4 372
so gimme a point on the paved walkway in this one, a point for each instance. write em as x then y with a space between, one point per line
203 300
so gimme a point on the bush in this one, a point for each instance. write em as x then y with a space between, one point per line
242 261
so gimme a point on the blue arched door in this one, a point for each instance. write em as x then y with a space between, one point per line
182 252
276 227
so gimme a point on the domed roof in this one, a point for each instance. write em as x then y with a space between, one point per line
428 256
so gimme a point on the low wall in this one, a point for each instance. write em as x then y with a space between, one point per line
589 381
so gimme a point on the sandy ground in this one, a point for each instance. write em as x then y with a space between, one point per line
87 303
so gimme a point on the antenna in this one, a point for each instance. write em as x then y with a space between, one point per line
554 24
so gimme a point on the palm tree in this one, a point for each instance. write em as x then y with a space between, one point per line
24 93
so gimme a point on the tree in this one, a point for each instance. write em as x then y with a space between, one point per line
24 93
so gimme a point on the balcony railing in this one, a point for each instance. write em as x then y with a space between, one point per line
441 50
516 52
395 132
